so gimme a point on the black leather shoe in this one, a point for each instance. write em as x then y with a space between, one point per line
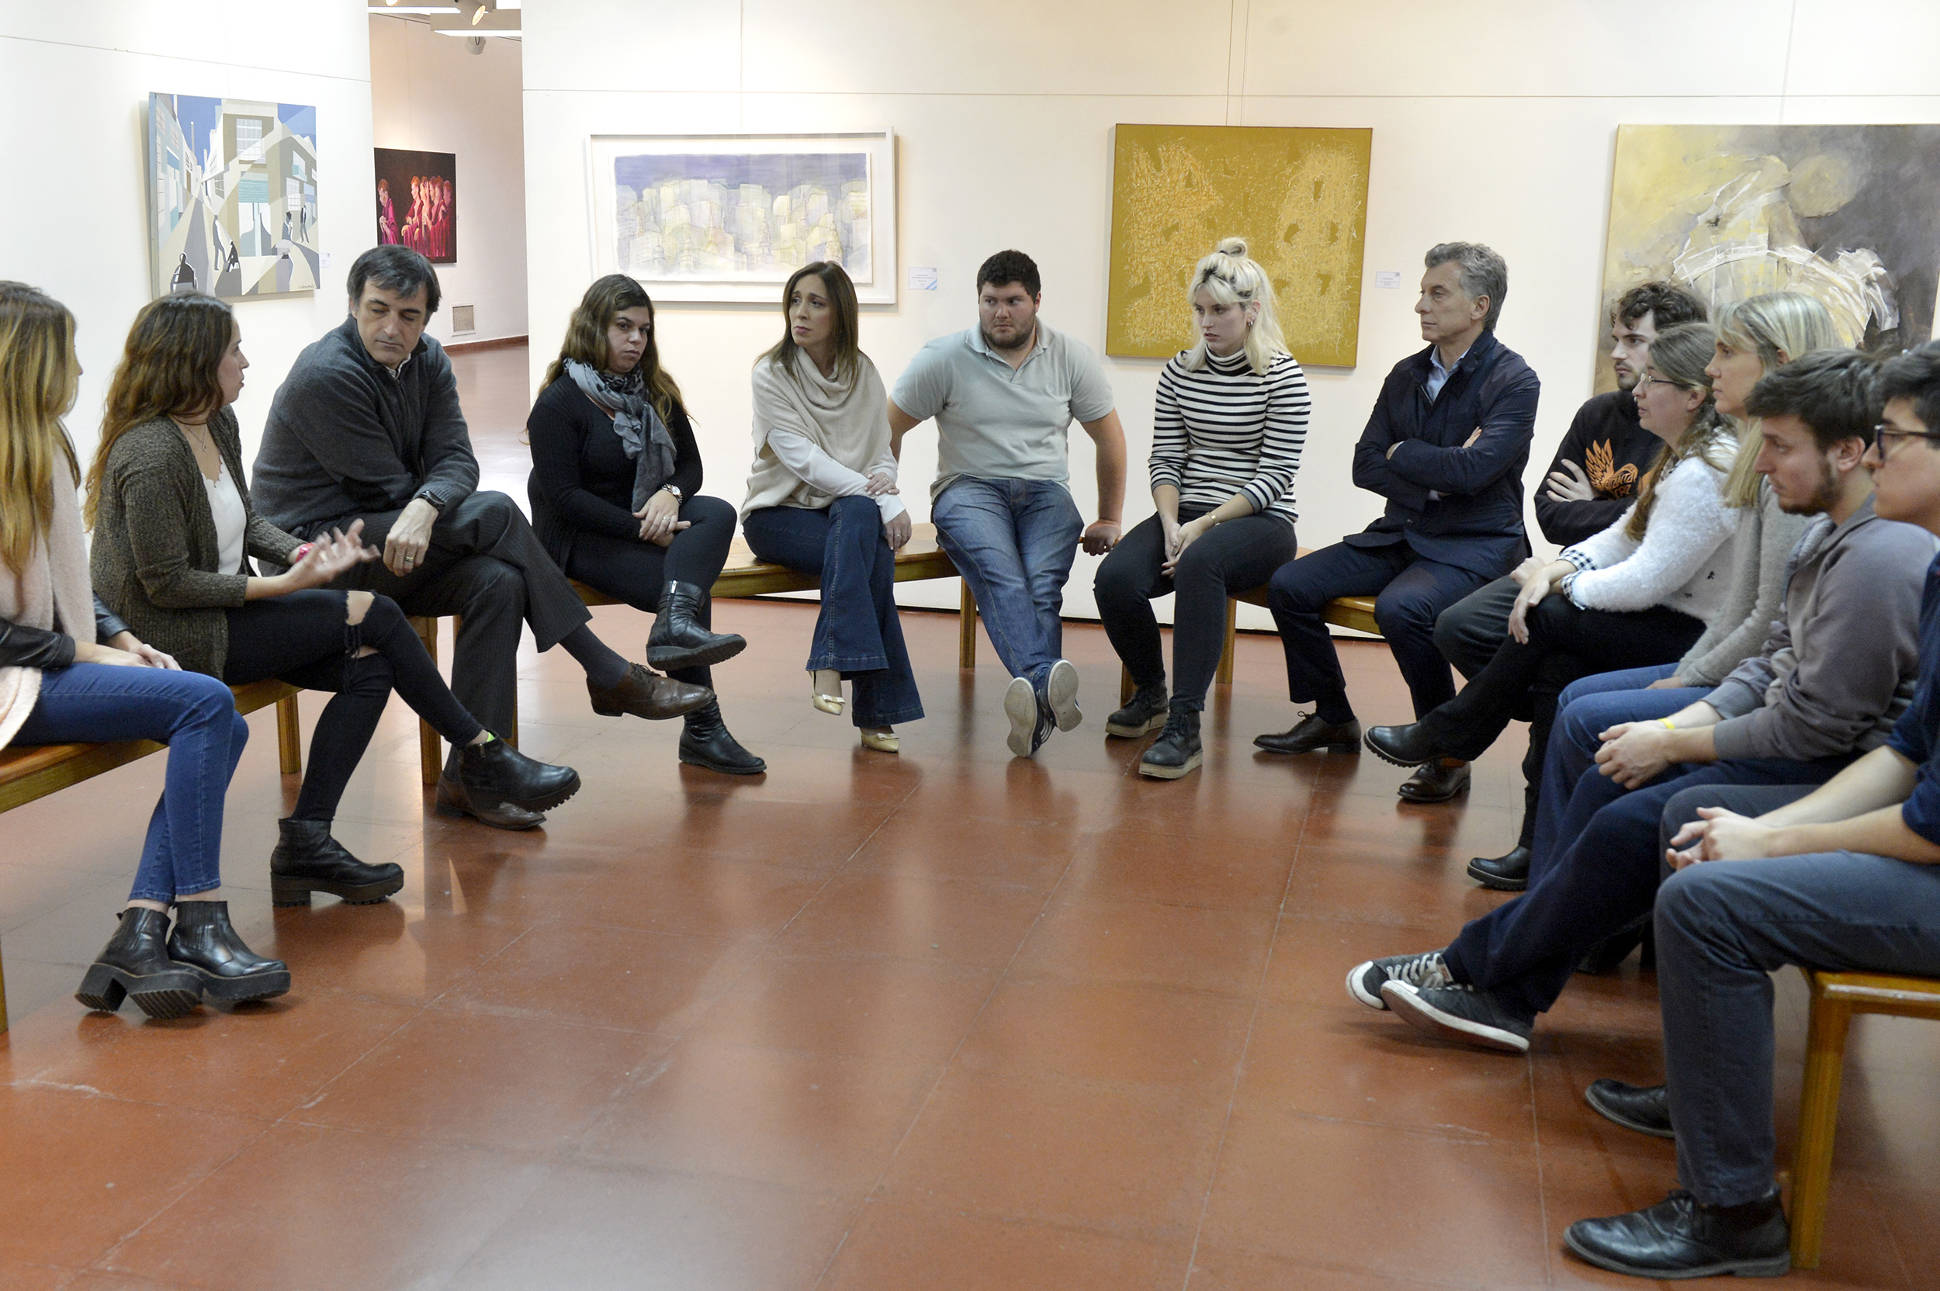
1142 713
1506 873
679 641
707 742
1432 782
1176 752
205 943
495 773
454 799
1411 745
135 965
645 694
307 859
1678 1238
1643 1108
1310 734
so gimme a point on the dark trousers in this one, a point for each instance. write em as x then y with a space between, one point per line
306 639
638 572
1723 928
1524 952
857 632
486 566
1409 595
1564 643
1230 557
1469 631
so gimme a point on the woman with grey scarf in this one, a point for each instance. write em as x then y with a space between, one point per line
615 490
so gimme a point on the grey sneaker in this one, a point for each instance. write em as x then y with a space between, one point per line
1020 706
1465 1013
1061 695
1364 980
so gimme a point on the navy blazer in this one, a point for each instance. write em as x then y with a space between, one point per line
1476 522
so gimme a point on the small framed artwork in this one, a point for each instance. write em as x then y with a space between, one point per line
729 217
417 202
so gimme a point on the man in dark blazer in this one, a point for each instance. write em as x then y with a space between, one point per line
1446 446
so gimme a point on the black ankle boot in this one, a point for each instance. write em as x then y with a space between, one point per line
706 742
135 965
1678 1238
1144 711
679 641
307 859
205 943
494 773
1176 751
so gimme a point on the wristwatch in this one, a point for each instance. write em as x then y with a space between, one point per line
675 490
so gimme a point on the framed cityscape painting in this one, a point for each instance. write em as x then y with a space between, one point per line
232 187
729 217
417 202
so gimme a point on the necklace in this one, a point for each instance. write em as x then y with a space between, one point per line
202 445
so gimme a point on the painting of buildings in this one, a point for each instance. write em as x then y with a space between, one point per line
232 196
1849 214
1298 197
729 218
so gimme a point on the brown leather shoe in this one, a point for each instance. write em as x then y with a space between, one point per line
1310 734
647 694
1436 781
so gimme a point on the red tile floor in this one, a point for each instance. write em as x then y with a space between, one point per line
938 1020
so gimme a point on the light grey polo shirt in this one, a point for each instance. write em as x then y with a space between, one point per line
998 422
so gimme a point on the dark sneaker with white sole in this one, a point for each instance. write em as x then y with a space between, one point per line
1021 707
1465 1013
1680 1238
1364 981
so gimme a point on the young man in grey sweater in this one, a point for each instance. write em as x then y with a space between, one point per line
1835 676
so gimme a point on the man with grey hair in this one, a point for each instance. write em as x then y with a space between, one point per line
1446 446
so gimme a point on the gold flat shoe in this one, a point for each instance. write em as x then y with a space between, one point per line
825 690
881 739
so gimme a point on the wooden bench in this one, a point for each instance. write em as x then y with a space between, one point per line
1835 998
34 771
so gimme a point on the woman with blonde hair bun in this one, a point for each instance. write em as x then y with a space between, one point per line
1228 425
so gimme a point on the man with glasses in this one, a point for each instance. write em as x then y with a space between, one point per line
1837 672
1844 877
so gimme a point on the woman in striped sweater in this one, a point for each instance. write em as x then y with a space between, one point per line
1227 429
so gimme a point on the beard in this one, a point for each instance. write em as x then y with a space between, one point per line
1822 497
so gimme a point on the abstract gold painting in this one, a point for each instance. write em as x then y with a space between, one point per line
1299 198
1847 213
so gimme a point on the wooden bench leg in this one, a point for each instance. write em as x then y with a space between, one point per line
1825 1055
3 999
431 759
1226 654
289 736
966 629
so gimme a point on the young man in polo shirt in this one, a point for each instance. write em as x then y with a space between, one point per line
1004 394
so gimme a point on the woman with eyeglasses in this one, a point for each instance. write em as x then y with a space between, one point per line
1638 593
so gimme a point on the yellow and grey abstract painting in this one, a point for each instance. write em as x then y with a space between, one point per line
1299 198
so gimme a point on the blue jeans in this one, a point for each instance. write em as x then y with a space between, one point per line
857 632
1013 541
196 717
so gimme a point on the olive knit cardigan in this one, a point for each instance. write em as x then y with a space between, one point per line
155 544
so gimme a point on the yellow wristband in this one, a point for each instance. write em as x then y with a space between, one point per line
1667 723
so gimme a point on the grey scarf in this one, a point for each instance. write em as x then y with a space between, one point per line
641 432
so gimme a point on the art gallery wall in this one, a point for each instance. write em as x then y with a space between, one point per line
73 98
431 94
1499 128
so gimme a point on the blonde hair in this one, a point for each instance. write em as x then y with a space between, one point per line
1230 277
37 376
1680 354
1779 326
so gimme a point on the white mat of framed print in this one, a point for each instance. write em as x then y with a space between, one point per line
729 217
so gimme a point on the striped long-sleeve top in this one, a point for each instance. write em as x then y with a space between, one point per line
1226 429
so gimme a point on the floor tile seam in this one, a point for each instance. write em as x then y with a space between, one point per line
316 1094
1464 1139
1361 1270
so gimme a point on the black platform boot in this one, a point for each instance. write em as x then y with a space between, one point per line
205 943
1176 751
494 772
307 859
706 742
1143 712
135 965
679 641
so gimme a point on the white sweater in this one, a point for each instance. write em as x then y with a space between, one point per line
1683 561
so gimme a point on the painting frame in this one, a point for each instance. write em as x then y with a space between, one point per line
639 237
395 170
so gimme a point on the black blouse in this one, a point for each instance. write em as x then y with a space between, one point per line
582 479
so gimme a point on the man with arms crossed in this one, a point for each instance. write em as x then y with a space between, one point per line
367 427
1847 877
1004 393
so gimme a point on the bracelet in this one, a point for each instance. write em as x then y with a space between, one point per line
296 557
1667 723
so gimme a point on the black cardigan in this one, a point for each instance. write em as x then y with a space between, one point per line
582 479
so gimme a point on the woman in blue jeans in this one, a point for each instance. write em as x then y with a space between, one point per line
70 671
822 499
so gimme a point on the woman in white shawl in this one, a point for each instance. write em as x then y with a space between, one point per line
70 671
822 499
